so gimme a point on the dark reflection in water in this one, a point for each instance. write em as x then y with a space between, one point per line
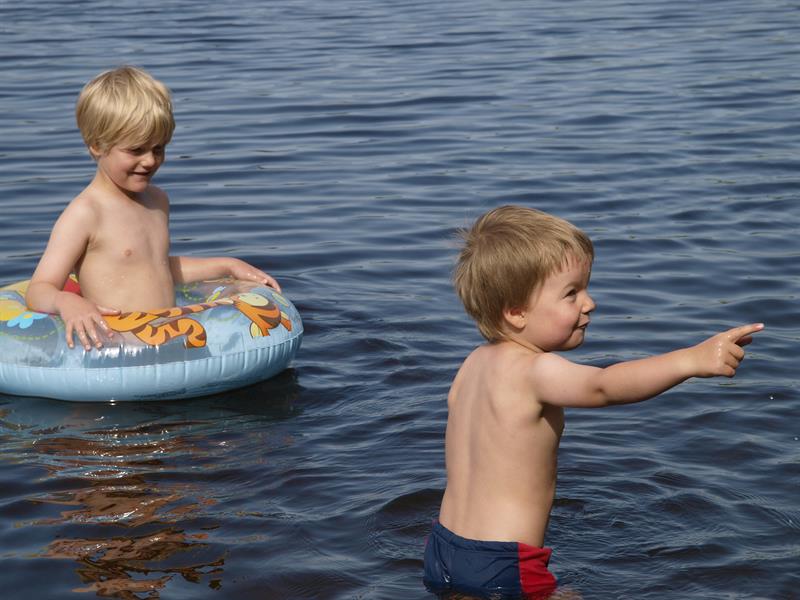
139 550
120 567
129 513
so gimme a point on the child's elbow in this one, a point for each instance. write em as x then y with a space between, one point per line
37 296
600 400
31 298
601 394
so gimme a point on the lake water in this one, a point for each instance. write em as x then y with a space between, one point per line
340 145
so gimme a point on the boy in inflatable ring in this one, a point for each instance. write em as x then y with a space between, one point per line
114 235
523 276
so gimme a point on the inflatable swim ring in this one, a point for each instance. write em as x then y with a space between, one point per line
222 335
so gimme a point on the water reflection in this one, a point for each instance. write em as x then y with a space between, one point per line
120 567
124 500
142 528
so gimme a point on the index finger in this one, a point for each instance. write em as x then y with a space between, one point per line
273 283
738 333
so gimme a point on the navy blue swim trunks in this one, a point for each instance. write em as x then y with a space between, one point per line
486 569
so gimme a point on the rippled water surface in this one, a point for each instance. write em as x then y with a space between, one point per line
340 145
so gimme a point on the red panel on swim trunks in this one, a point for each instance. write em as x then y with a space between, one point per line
537 581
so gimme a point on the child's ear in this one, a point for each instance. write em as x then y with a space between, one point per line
515 316
94 152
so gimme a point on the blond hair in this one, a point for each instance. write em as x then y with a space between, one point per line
124 106
507 254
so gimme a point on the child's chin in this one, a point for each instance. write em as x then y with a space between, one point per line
575 341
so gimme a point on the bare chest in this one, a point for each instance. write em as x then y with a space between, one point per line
134 234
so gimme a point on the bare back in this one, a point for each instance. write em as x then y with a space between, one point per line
501 449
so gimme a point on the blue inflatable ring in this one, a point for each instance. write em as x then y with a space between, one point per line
222 335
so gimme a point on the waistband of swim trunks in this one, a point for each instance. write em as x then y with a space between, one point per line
470 544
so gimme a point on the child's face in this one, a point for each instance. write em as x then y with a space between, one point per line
557 313
130 167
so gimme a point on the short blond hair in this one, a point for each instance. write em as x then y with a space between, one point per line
507 254
124 106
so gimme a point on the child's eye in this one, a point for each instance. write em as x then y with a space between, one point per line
139 150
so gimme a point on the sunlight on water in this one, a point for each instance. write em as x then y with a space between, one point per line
340 146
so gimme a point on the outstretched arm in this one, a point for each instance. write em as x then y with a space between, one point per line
67 244
186 269
561 382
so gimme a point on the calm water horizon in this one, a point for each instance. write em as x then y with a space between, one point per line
340 146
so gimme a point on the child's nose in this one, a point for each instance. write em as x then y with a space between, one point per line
588 304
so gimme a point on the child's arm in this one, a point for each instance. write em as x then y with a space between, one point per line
560 382
67 244
186 269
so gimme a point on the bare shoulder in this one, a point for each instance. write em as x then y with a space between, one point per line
158 197
501 367
82 211
157 193
470 373
515 361
548 362
535 377
548 369
482 361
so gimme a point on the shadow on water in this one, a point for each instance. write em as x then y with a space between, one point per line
117 489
